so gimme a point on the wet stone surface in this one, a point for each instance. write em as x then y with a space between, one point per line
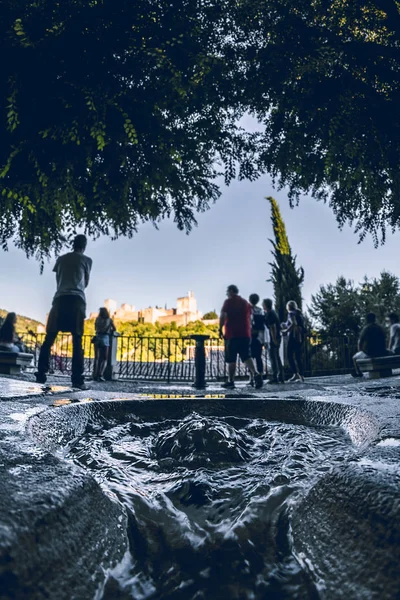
13 388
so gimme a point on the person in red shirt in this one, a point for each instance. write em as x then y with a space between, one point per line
235 327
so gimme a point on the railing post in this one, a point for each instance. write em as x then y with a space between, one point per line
169 361
200 361
111 373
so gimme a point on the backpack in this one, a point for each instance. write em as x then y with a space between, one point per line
299 328
257 321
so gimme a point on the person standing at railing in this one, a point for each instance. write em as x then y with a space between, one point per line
68 311
274 328
294 328
105 327
235 327
258 337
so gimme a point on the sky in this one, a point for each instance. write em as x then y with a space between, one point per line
230 245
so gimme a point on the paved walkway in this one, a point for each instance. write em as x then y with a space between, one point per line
27 382
25 385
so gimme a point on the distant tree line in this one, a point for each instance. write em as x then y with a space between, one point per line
339 309
169 330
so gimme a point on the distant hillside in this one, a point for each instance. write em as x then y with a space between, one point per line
23 323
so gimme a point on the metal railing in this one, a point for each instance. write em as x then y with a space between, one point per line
173 358
330 356
61 353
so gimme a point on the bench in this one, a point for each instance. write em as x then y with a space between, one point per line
380 366
11 362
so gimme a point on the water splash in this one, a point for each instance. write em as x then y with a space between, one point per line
209 502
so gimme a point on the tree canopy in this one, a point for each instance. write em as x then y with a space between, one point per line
114 112
286 277
324 77
210 315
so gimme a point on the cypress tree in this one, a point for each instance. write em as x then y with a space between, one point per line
286 277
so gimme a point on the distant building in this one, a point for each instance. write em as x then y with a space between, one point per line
184 313
126 312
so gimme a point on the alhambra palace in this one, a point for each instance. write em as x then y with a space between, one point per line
184 313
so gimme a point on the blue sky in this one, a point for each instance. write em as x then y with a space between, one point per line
230 245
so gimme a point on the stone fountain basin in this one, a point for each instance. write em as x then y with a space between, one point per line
61 534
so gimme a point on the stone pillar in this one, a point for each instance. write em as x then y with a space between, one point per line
200 360
111 372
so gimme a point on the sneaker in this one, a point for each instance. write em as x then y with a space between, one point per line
101 379
40 377
293 378
81 386
228 385
259 381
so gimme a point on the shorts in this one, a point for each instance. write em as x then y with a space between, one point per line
235 346
67 314
102 340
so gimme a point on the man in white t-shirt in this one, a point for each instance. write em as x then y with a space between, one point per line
68 311
394 344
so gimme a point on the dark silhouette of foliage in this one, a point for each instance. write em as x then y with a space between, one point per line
113 113
286 277
324 77
118 112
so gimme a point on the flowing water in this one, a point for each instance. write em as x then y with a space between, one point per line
209 502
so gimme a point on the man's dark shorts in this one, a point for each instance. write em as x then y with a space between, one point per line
67 314
236 346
